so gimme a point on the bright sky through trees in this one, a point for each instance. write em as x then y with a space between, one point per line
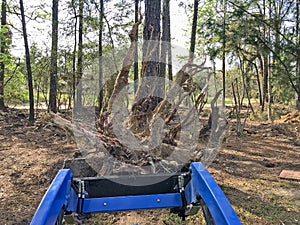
39 32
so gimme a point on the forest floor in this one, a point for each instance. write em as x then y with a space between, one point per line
247 169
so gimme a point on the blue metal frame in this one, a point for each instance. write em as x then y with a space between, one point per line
122 203
61 195
203 184
55 198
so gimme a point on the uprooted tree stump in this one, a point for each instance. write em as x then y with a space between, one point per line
152 130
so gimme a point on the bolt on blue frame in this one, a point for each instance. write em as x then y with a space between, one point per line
183 193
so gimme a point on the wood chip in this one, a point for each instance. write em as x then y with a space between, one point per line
290 175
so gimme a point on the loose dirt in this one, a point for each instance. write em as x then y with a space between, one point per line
246 168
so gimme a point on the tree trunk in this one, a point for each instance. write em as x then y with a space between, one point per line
270 115
136 55
170 72
261 71
164 41
28 64
169 47
224 53
258 83
193 42
151 45
2 51
37 97
53 67
78 102
265 81
298 53
151 35
265 63
277 26
100 51
194 29
74 53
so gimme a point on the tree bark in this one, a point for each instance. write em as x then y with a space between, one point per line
224 53
265 81
74 53
298 53
136 55
265 64
3 51
270 115
164 42
78 102
100 52
261 71
277 26
194 29
151 33
258 83
170 72
28 64
53 67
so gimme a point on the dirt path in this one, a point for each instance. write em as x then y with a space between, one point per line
30 158
246 168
